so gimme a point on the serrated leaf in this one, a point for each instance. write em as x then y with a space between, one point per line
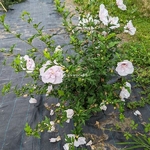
6 88
17 60
7 28
47 120
37 135
28 129
46 54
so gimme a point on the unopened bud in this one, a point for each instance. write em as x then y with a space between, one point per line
58 121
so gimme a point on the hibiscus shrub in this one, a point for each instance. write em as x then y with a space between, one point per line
80 77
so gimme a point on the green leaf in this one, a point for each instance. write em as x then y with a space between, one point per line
125 143
133 147
2 18
23 14
12 48
60 92
101 37
121 117
18 35
7 28
127 135
6 88
110 36
47 120
36 25
28 129
147 127
17 60
36 134
149 140
46 54
4 62
32 38
112 44
2 50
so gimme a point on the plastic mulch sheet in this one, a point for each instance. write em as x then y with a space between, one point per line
15 112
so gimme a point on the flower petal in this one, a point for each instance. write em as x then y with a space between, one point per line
129 28
89 143
103 14
121 5
136 113
124 68
32 100
51 112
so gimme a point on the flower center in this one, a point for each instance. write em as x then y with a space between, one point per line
124 65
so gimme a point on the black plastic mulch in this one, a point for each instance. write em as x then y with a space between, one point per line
15 112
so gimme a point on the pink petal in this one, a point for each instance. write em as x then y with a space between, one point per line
32 101
53 140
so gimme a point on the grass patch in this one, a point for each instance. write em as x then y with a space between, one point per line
136 13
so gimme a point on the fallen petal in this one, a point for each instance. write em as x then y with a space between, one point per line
53 140
58 104
52 123
68 120
51 112
32 100
89 143
58 138
136 113
66 146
